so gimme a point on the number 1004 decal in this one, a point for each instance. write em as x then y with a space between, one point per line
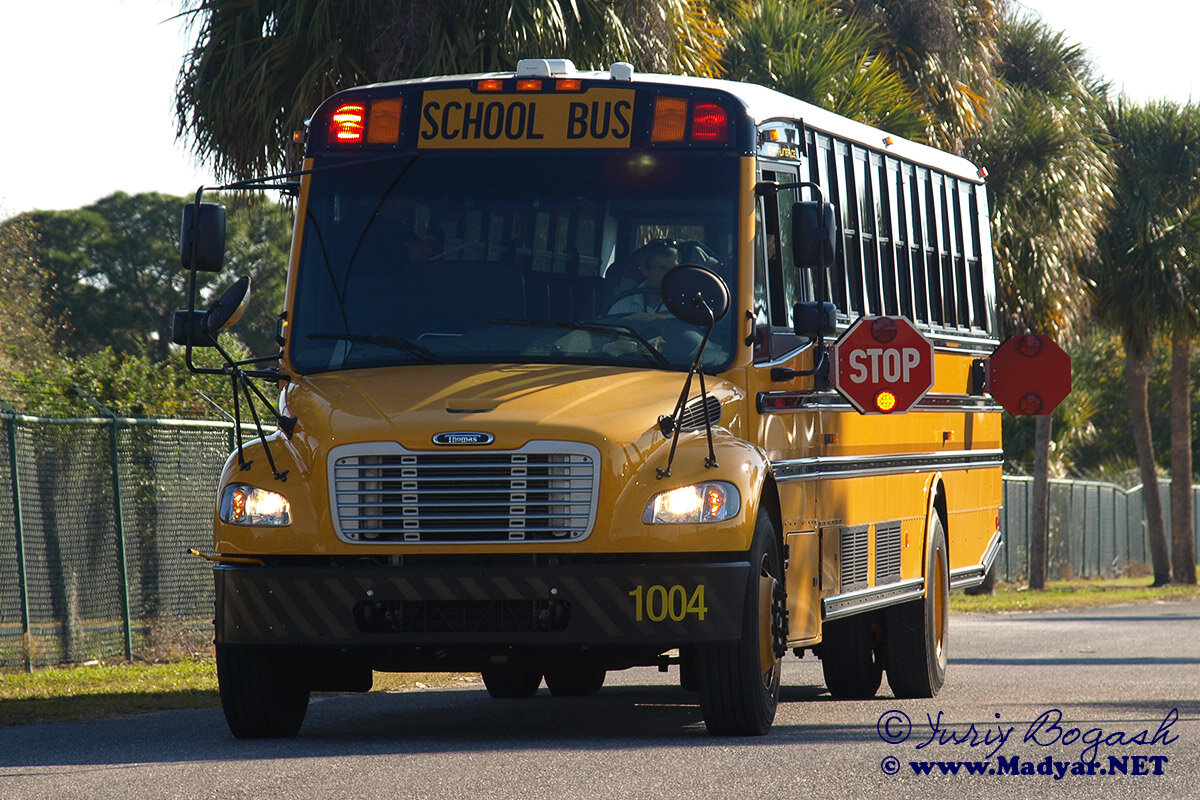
657 603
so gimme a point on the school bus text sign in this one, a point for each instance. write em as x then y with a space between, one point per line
882 365
459 118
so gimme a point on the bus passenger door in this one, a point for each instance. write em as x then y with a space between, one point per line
786 431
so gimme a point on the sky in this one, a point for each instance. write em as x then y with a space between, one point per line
88 94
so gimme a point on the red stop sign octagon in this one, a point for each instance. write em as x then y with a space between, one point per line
882 365
1029 374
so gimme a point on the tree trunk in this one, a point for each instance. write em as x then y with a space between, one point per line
1137 359
1183 555
1039 534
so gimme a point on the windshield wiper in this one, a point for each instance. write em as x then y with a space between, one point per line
594 327
411 348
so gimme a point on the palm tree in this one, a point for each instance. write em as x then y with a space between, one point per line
1184 322
807 49
946 50
1142 271
258 69
1050 181
1183 552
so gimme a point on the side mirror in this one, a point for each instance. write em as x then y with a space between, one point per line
202 237
814 319
814 234
695 295
205 325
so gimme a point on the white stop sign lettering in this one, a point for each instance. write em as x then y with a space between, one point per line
883 365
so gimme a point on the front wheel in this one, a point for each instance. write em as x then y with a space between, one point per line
263 694
739 681
917 630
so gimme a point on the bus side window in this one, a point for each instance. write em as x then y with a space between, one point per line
777 284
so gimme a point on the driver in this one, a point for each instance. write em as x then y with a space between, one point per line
653 261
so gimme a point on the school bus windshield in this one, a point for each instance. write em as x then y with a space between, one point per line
520 258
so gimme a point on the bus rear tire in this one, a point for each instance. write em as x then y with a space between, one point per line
917 631
575 681
739 682
508 682
262 694
848 659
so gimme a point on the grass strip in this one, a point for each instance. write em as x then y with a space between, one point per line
1076 593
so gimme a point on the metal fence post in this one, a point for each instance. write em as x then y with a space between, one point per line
119 522
19 528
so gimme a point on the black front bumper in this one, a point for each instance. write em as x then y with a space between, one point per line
577 604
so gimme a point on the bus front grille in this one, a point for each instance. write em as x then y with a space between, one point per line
545 491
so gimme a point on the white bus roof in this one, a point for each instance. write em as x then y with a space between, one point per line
762 105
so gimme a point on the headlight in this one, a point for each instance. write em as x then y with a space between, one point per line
713 501
242 504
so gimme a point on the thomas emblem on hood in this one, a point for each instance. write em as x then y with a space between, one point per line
463 438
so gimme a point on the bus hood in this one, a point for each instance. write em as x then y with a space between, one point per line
513 403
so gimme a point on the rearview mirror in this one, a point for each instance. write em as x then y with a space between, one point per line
202 237
814 234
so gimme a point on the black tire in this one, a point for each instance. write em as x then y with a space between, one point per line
262 693
739 682
508 682
917 630
575 681
849 658
688 678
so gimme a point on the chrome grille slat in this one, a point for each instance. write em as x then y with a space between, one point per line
545 491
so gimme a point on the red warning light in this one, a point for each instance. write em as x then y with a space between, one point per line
710 123
885 402
346 124
1030 345
883 329
1031 404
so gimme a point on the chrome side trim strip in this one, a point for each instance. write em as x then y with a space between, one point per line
843 605
785 401
966 577
807 469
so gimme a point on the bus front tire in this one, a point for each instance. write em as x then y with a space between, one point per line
262 694
917 630
739 681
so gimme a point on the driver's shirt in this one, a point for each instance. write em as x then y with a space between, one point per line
645 302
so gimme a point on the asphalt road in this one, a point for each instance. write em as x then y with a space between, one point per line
1116 686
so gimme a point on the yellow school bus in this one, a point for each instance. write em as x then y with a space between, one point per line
559 394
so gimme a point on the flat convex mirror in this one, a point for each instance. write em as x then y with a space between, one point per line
230 307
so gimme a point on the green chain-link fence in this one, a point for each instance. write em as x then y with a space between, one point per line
96 516
1096 529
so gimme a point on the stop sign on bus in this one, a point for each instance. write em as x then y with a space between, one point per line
882 365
